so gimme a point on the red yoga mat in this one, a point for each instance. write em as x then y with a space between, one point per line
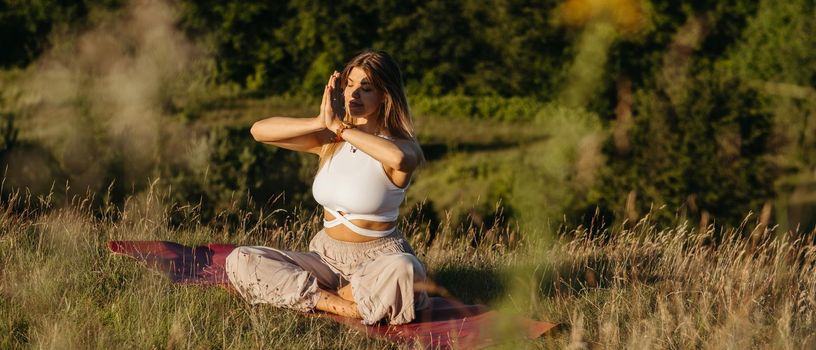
446 324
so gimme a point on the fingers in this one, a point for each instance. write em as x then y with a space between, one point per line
332 79
330 84
331 88
327 90
326 99
330 93
333 82
327 103
337 98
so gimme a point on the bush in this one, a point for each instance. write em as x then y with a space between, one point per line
706 152
241 175
505 109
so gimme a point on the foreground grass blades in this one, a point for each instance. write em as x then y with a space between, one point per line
640 287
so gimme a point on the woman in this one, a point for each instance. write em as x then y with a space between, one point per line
358 265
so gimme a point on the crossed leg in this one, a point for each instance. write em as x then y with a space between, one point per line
341 303
287 279
302 281
345 293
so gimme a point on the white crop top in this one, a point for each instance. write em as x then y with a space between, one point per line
355 183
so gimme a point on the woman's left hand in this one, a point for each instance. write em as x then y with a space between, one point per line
334 112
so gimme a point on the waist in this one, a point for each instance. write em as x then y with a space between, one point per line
322 242
343 233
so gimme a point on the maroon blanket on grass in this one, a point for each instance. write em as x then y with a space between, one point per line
447 323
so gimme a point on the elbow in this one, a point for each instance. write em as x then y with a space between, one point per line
404 162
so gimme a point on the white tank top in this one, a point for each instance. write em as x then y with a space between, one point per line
355 183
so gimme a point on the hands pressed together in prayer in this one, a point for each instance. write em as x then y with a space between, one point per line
332 106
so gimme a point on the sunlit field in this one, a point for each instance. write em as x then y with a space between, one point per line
643 286
642 173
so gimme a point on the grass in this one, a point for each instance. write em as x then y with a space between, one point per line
637 287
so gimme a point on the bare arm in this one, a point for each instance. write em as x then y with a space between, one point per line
399 157
297 134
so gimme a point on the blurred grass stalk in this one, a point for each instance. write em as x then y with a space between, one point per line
573 149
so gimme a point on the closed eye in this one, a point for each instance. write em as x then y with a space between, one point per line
365 86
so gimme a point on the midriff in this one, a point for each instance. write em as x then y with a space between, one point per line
343 233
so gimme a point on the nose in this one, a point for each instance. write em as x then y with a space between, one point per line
355 92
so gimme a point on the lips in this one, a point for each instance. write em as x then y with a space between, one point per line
355 104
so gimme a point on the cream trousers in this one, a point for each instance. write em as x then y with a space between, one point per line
382 273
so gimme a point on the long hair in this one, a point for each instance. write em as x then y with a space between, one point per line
384 74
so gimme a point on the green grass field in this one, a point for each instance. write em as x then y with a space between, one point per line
639 285
646 287
129 120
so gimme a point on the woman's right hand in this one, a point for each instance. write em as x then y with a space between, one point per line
331 104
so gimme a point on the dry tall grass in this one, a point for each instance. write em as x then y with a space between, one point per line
640 287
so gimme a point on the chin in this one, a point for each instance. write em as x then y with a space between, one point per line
361 113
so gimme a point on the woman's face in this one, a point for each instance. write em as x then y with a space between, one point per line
362 98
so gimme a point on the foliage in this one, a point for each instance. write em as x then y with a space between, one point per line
25 25
443 46
551 175
699 72
776 57
507 48
528 176
512 109
236 173
778 44
465 190
8 132
722 122
708 152
273 46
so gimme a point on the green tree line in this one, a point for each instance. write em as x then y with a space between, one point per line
697 98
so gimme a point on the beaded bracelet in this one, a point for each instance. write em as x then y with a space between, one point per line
339 134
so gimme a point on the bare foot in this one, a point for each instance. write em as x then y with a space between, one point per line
345 293
334 304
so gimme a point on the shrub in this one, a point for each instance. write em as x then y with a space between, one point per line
240 175
706 152
505 109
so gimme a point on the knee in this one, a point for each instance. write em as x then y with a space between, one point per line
238 255
407 266
232 259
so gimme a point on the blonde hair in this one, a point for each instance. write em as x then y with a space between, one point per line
384 74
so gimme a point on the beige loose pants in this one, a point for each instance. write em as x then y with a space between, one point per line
382 273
